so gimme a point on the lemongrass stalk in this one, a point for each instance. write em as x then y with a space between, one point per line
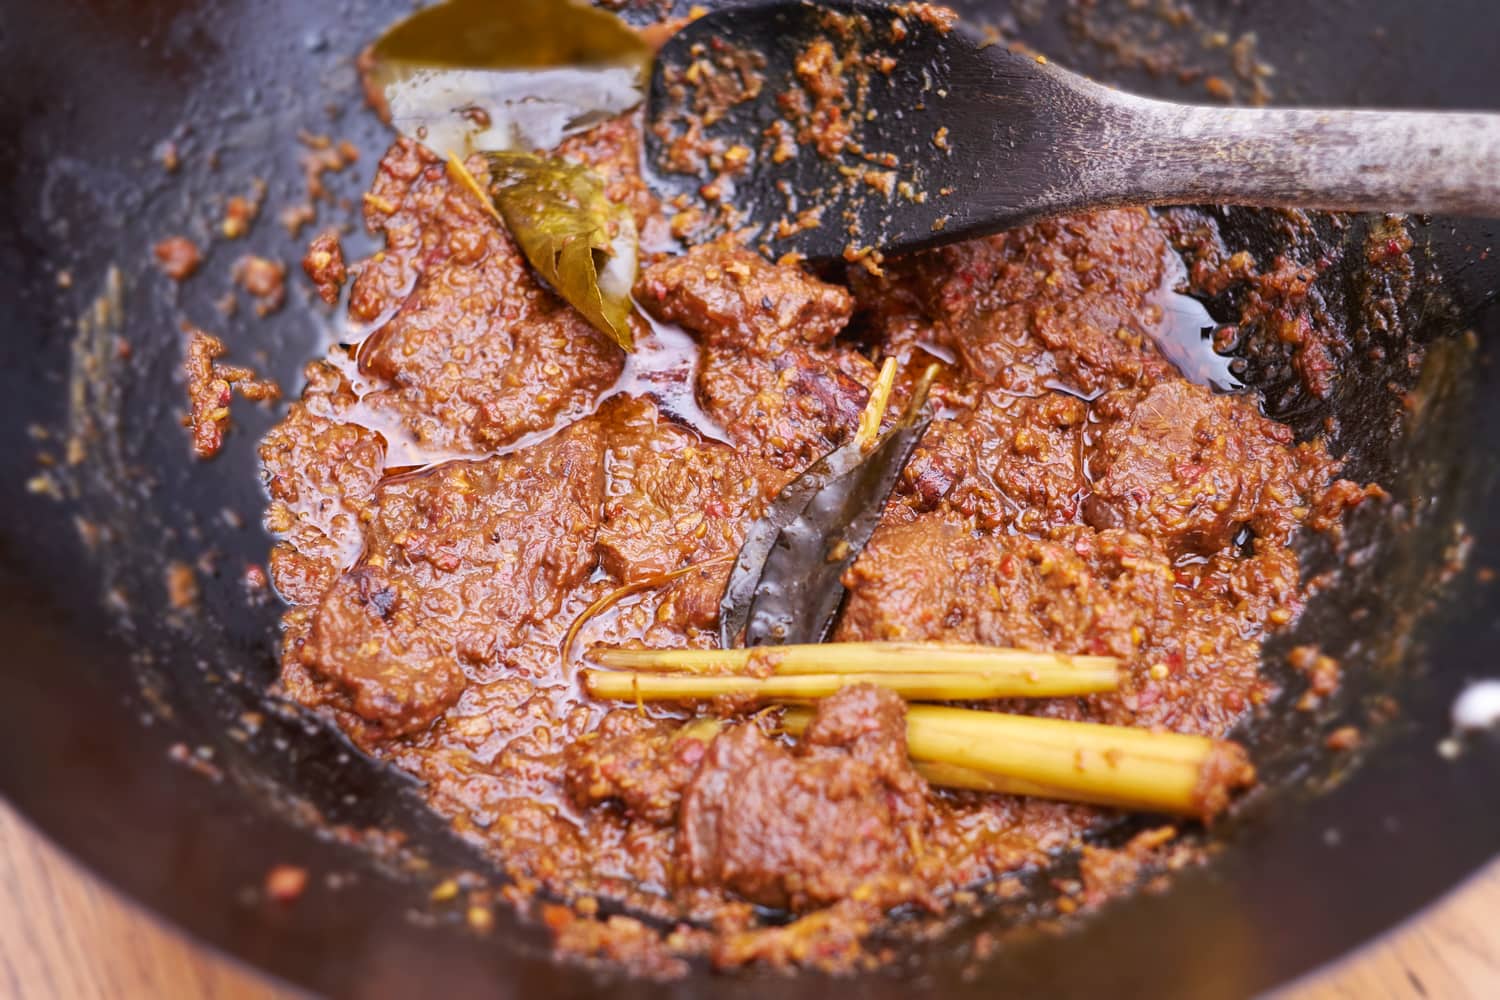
953 776
1049 674
880 398
1074 761
646 686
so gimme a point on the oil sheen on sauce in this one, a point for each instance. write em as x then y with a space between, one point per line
1184 333
664 367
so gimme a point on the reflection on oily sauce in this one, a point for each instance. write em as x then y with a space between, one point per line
1184 334
664 367
404 452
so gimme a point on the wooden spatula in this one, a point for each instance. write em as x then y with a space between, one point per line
844 125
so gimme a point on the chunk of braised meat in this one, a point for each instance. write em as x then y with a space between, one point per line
770 372
324 265
211 386
790 408
1188 638
478 352
370 638
934 579
731 295
1010 460
458 562
1066 301
842 814
673 499
641 764
321 472
1194 468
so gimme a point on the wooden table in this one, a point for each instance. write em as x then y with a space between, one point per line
64 935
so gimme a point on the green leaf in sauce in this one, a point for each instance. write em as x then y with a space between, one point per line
786 586
582 243
489 75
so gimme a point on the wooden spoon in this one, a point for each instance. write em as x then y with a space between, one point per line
926 133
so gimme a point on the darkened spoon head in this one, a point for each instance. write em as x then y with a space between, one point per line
833 127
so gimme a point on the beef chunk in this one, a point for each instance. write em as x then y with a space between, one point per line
321 473
1193 468
770 374
673 499
790 409
458 562
467 346
1007 460
842 814
933 578
369 637
641 764
732 295
1064 301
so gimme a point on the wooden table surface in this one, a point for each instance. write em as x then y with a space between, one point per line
64 935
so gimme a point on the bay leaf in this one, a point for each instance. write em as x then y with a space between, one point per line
583 244
495 75
760 537
786 586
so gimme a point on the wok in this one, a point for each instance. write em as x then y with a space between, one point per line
107 691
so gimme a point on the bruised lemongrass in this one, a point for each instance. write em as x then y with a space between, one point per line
874 411
1045 674
923 387
647 686
953 776
1088 762
617 595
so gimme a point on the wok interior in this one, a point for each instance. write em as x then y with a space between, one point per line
90 200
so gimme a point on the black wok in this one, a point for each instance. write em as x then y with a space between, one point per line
103 679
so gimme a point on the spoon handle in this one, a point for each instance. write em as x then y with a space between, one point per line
1397 161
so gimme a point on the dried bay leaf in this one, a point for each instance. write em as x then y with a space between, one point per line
786 587
760 537
493 75
584 245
